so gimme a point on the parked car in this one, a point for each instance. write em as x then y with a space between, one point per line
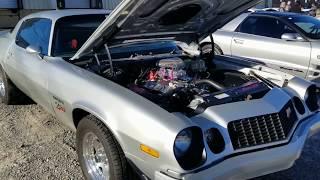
284 41
263 9
142 99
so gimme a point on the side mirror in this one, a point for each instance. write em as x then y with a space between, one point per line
292 37
34 50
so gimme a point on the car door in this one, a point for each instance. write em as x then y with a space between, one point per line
27 69
259 37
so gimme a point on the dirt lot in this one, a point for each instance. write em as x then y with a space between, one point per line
34 145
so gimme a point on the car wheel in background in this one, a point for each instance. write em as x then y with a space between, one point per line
8 91
99 153
207 49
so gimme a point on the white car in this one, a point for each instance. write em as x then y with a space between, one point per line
287 42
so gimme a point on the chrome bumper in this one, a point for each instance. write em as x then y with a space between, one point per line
258 163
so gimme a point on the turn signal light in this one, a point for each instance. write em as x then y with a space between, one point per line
150 151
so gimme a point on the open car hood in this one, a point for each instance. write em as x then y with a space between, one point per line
181 20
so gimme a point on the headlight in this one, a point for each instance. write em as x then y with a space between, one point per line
215 140
311 98
299 105
189 148
307 91
182 143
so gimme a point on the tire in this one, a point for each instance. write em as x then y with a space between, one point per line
207 49
8 91
96 145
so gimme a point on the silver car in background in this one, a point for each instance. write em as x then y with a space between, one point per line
284 41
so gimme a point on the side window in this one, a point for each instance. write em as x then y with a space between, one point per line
35 32
264 26
248 26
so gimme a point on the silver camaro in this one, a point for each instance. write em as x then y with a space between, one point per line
284 41
145 103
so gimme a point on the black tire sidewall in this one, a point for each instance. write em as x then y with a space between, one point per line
91 124
207 48
217 50
4 99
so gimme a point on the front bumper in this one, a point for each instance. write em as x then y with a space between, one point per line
257 163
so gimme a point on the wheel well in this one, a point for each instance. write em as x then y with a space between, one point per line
77 115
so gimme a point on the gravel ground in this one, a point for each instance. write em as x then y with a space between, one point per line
34 145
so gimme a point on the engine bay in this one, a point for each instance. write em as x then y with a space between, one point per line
180 83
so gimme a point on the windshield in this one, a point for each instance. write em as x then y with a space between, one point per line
73 31
309 25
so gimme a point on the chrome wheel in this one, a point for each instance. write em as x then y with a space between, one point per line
95 157
2 86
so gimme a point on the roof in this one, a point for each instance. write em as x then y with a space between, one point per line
57 14
277 14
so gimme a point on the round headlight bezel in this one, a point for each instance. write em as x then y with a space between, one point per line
182 143
195 155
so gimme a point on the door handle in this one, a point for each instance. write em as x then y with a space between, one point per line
238 41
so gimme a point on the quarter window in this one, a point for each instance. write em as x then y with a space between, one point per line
35 32
264 26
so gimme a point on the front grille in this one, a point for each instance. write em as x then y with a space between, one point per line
265 129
